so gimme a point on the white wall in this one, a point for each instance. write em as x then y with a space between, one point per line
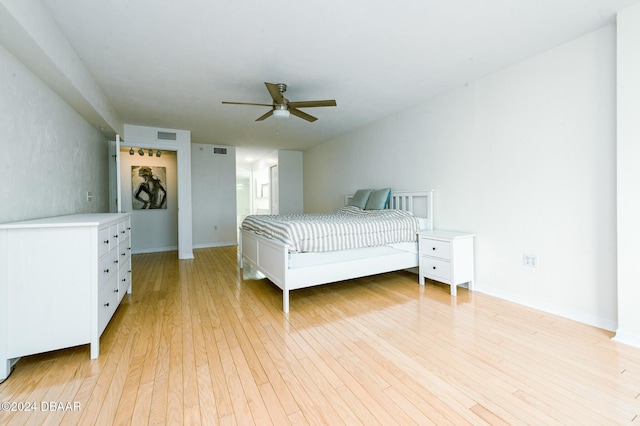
290 182
32 36
525 158
152 230
51 157
213 188
628 175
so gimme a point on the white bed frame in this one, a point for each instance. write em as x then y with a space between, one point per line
271 257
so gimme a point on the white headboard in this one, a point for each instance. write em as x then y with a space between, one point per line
420 203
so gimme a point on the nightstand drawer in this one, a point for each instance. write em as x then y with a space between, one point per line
438 269
435 248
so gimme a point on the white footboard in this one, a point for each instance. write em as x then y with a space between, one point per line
270 257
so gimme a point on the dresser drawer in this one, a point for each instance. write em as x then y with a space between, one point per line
124 279
435 268
115 237
124 253
107 304
435 248
104 241
107 267
124 229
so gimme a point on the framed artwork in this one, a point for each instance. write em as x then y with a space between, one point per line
148 187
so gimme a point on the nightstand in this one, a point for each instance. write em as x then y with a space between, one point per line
446 256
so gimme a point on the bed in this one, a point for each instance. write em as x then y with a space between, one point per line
291 269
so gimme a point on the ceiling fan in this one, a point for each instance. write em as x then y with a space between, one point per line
281 107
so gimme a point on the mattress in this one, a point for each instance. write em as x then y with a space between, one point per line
345 229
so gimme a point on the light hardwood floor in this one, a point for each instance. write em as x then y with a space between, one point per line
197 344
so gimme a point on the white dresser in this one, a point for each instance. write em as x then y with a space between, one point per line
61 280
446 256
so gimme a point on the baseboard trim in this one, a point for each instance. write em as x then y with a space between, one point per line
210 245
627 338
580 317
154 250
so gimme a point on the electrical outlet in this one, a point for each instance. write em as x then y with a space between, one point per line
89 196
530 260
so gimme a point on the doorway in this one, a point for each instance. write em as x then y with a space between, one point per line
181 145
154 229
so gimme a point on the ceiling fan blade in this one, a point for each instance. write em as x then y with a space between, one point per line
245 103
311 104
274 91
302 115
267 115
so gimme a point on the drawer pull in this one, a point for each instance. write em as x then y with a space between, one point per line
124 232
434 267
433 248
106 305
115 291
115 261
124 280
115 236
106 241
124 254
106 271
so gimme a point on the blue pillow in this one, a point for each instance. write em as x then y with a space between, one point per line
360 198
378 199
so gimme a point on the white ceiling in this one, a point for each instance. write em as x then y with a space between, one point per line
170 63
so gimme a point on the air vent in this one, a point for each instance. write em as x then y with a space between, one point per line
220 151
167 136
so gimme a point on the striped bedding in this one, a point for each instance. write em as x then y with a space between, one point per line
346 228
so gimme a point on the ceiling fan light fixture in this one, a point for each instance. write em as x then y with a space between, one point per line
281 113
